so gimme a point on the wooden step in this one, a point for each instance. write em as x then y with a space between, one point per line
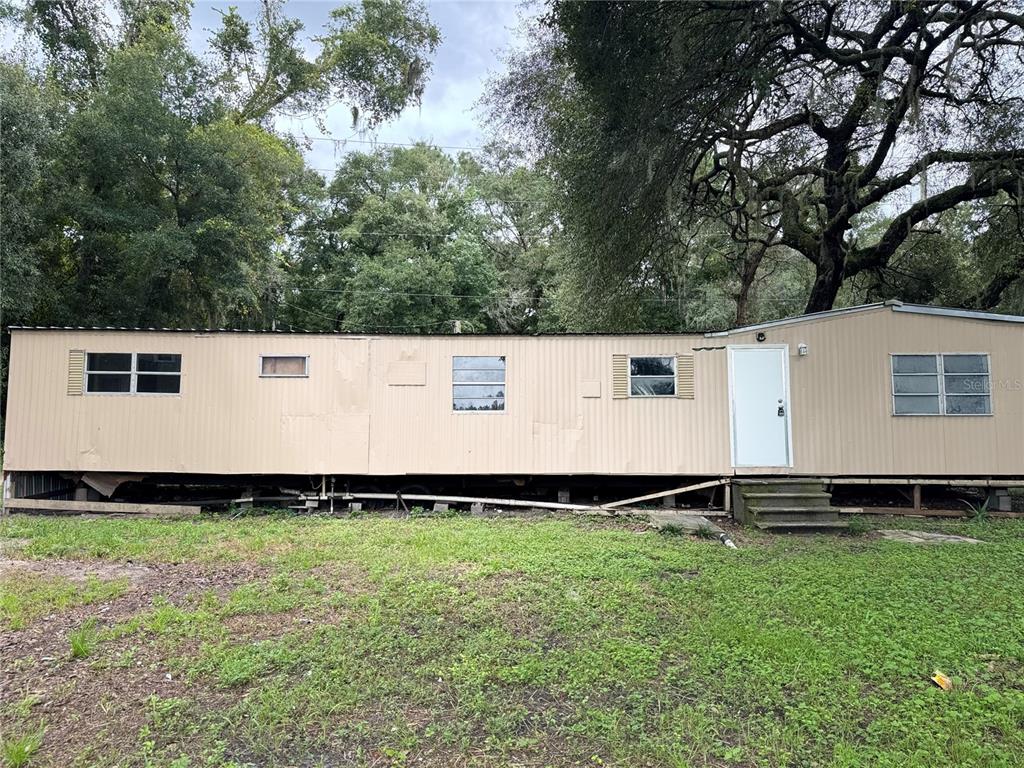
818 499
789 486
800 525
791 510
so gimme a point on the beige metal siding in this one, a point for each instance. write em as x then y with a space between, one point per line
383 405
227 419
841 396
548 425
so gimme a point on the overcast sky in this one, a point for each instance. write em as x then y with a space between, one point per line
474 34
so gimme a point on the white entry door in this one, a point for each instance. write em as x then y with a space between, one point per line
759 409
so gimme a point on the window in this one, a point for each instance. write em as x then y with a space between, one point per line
284 366
934 385
478 383
143 373
652 377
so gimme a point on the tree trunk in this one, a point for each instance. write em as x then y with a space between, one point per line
742 304
828 279
750 263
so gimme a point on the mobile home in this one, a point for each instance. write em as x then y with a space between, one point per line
876 391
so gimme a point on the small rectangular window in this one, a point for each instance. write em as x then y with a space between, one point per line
284 366
941 384
652 376
478 383
132 373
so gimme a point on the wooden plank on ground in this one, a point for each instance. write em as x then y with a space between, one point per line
100 507
909 512
471 500
662 494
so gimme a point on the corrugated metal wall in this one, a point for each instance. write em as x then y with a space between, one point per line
360 413
841 396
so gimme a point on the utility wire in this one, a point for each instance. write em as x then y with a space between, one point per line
356 235
374 142
503 297
369 328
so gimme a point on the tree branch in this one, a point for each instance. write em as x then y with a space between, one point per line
873 257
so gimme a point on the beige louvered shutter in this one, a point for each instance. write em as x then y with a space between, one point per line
620 376
684 377
76 371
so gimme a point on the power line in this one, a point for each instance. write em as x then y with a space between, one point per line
376 143
373 327
419 294
358 233
384 294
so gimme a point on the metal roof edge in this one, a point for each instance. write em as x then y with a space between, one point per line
824 315
969 314
351 334
894 304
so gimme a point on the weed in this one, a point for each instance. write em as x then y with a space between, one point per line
705 532
83 640
857 525
978 512
18 750
23 707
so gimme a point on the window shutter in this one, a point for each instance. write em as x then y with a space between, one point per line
684 377
76 371
620 376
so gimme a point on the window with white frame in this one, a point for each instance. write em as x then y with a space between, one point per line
478 383
131 373
284 366
652 376
941 385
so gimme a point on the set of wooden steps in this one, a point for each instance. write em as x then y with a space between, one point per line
785 504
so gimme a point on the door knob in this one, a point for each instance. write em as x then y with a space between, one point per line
782 410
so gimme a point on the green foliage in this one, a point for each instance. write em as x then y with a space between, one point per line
25 136
144 185
83 640
676 128
402 242
373 56
857 525
18 750
522 236
979 512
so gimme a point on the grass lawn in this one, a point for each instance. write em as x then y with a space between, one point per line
472 642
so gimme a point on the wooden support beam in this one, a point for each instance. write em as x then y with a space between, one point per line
661 494
917 497
100 507
966 483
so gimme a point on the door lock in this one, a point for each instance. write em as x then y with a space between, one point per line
782 409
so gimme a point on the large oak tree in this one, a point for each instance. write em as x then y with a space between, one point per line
787 120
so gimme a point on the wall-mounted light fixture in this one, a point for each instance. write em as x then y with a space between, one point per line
760 336
801 349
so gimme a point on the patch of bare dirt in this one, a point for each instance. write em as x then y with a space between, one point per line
75 570
7 546
101 700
